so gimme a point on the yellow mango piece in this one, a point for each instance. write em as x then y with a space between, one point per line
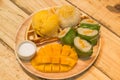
41 67
45 59
73 54
41 60
72 62
64 68
64 60
48 67
55 68
56 49
66 50
48 50
40 52
55 60
36 60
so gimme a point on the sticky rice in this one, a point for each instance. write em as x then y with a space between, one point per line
68 16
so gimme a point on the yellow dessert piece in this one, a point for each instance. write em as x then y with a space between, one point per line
40 67
48 67
66 50
56 58
45 23
55 68
64 68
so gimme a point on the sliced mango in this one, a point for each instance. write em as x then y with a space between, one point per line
55 68
55 58
48 68
64 68
41 67
66 50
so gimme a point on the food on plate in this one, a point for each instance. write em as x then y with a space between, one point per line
88 34
89 23
68 15
89 30
45 23
83 47
67 36
83 37
55 57
26 50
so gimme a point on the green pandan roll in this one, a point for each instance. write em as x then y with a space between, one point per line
87 33
83 47
90 26
67 36
89 30
82 54
89 23
94 40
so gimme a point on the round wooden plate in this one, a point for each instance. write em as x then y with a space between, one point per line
81 66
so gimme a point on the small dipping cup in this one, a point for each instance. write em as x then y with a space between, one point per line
26 50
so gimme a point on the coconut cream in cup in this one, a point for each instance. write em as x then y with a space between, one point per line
26 50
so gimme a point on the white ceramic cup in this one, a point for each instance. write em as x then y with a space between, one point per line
26 50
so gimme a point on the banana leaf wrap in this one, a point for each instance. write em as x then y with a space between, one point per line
69 37
87 37
83 54
90 26
94 40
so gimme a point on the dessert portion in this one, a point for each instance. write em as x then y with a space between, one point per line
45 23
83 47
67 36
82 37
75 33
55 58
89 30
69 16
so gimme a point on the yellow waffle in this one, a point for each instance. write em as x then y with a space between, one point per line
38 40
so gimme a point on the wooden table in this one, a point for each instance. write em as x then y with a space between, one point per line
106 12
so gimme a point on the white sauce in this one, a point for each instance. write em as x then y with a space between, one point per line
26 50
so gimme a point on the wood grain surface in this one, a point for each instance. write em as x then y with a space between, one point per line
103 11
14 12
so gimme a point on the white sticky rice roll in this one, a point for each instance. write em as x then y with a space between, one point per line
82 44
73 16
87 31
89 21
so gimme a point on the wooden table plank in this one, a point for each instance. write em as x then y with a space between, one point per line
10 19
9 67
109 58
99 9
93 72
30 6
